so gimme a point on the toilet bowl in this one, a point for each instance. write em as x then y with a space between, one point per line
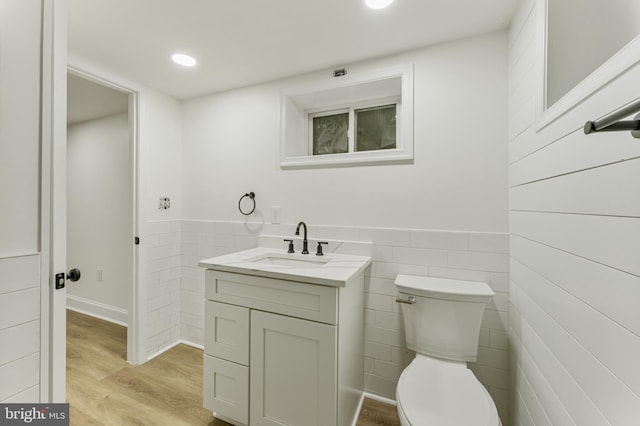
442 324
433 392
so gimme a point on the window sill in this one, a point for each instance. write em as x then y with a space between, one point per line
392 156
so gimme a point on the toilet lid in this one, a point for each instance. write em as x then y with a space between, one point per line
441 393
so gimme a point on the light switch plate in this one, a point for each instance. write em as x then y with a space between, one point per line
275 214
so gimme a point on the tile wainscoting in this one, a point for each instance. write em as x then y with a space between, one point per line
175 287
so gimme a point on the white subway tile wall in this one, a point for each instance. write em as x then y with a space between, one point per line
460 255
163 285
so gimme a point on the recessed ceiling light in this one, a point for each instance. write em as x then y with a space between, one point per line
378 4
184 60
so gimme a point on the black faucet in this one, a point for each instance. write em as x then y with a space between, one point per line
305 249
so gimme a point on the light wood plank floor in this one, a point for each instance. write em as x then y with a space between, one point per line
103 389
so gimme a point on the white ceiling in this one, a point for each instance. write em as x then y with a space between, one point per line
87 100
244 42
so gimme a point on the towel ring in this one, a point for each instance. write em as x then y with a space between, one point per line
252 196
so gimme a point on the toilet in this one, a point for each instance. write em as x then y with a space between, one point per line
442 325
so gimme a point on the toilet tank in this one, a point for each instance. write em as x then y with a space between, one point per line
444 321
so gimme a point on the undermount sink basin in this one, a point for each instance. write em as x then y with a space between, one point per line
280 260
331 269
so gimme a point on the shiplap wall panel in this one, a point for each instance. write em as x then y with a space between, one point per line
19 307
19 341
539 339
520 120
574 326
544 390
593 393
575 152
521 61
612 345
595 191
20 329
521 23
522 146
535 409
28 396
19 273
585 280
521 93
608 240
19 375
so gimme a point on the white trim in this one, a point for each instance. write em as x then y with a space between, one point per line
380 398
98 310
45 221
134 321
53 200
173 345
332 93
619 63
192 344
375 398
354 422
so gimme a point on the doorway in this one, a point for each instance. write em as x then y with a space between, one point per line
102 200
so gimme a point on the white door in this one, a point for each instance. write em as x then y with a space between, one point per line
54 191
293 371
32 126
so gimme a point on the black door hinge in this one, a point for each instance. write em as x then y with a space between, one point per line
136 240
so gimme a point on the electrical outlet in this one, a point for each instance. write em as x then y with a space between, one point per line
164 203
100 270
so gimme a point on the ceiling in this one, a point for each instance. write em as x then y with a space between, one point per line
245 42
87 100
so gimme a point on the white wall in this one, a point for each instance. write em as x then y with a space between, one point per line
598 30
457 182
20 35
20 333
445 215
99 215
160 175
575 270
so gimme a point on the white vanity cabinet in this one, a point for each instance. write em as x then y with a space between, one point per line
280 352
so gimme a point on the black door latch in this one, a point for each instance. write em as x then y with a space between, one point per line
60 280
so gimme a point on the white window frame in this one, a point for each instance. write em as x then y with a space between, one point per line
325 96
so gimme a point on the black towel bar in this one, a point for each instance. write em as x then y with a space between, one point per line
614 123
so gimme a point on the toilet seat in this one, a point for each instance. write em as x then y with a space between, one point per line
433 392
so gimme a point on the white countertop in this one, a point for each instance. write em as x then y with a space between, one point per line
336 272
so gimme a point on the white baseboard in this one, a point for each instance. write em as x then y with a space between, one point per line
99 310
355 419
172 345
374 397
193 345
380 398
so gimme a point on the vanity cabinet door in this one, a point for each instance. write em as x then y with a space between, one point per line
293 371
226 390
227 332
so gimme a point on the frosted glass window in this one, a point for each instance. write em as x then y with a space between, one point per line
330 134
375 128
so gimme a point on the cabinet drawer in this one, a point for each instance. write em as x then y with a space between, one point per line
227 332
226 389
307 301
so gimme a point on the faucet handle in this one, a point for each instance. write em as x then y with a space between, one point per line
319 250
290 246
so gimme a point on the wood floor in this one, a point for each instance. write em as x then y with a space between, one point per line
103 389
